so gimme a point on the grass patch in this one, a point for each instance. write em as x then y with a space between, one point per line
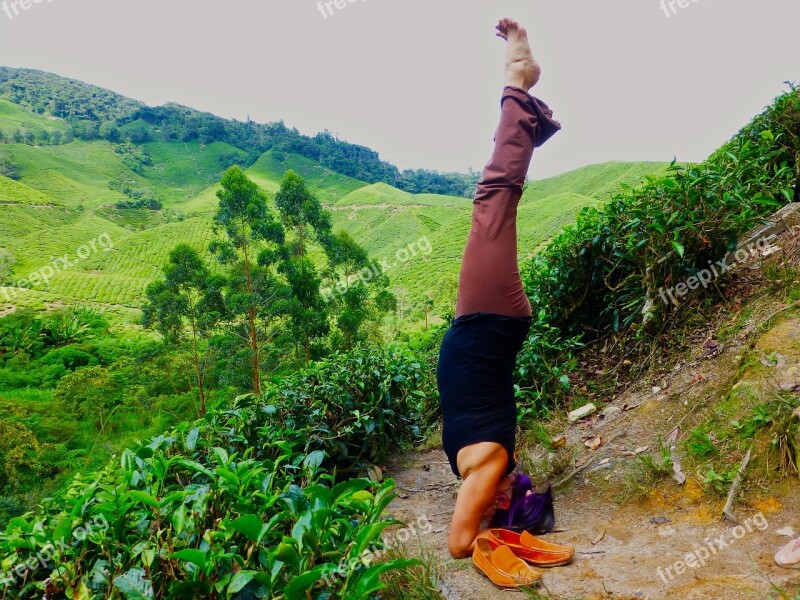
645 473
414 583
768 424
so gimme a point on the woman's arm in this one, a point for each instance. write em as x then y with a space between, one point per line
483 467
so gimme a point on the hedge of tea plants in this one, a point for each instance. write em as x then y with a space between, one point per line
605 273
246 503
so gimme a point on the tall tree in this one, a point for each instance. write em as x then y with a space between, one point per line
302 214
304 217
186 305
365 296
305 307
252 244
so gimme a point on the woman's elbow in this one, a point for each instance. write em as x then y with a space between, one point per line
459 545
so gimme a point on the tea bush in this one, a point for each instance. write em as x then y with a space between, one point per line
603 274
245 503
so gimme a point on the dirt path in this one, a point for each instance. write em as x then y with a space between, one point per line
646 539
639 539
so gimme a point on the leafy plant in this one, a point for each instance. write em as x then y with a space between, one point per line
246 502
721 482
613 270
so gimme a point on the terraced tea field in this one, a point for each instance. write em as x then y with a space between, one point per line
66 197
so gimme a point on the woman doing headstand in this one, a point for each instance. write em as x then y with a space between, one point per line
493 314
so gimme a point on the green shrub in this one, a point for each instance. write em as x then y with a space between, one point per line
605 271
244 503
356 406
70 357
604 274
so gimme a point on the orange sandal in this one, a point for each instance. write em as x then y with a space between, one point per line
529 548
501 566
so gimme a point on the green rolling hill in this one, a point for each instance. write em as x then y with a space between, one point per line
65 196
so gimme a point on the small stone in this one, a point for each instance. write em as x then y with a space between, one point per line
594 443
582 413
656 390
610 411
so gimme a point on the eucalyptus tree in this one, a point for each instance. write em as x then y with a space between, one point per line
251 243
186 305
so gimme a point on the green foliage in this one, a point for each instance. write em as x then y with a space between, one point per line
544 365
700 444
241 502
356 406
604 274
89 393
7 167
136 158
20 453
186 305
253 242
303 216
720 482
7 262
301 211
779 418
64 328
304 307
667 230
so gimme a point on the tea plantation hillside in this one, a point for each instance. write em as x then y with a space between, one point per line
63 188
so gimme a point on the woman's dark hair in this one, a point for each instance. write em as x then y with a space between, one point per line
528 512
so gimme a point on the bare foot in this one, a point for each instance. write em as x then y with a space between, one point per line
522 70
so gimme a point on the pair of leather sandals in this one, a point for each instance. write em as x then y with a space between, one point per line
505 557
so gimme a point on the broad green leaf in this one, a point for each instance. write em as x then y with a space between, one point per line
366 536
298 587
240 580
250 526
350 486
287 552
143 498
191 439
227 475
145 452
179 519
195 466
134 585
313 461
191 555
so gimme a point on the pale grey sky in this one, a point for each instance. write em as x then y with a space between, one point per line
419 80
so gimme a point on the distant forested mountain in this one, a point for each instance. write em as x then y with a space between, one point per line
96 113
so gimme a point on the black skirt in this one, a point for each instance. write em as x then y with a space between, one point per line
475 380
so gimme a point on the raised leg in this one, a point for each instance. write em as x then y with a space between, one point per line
490 280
